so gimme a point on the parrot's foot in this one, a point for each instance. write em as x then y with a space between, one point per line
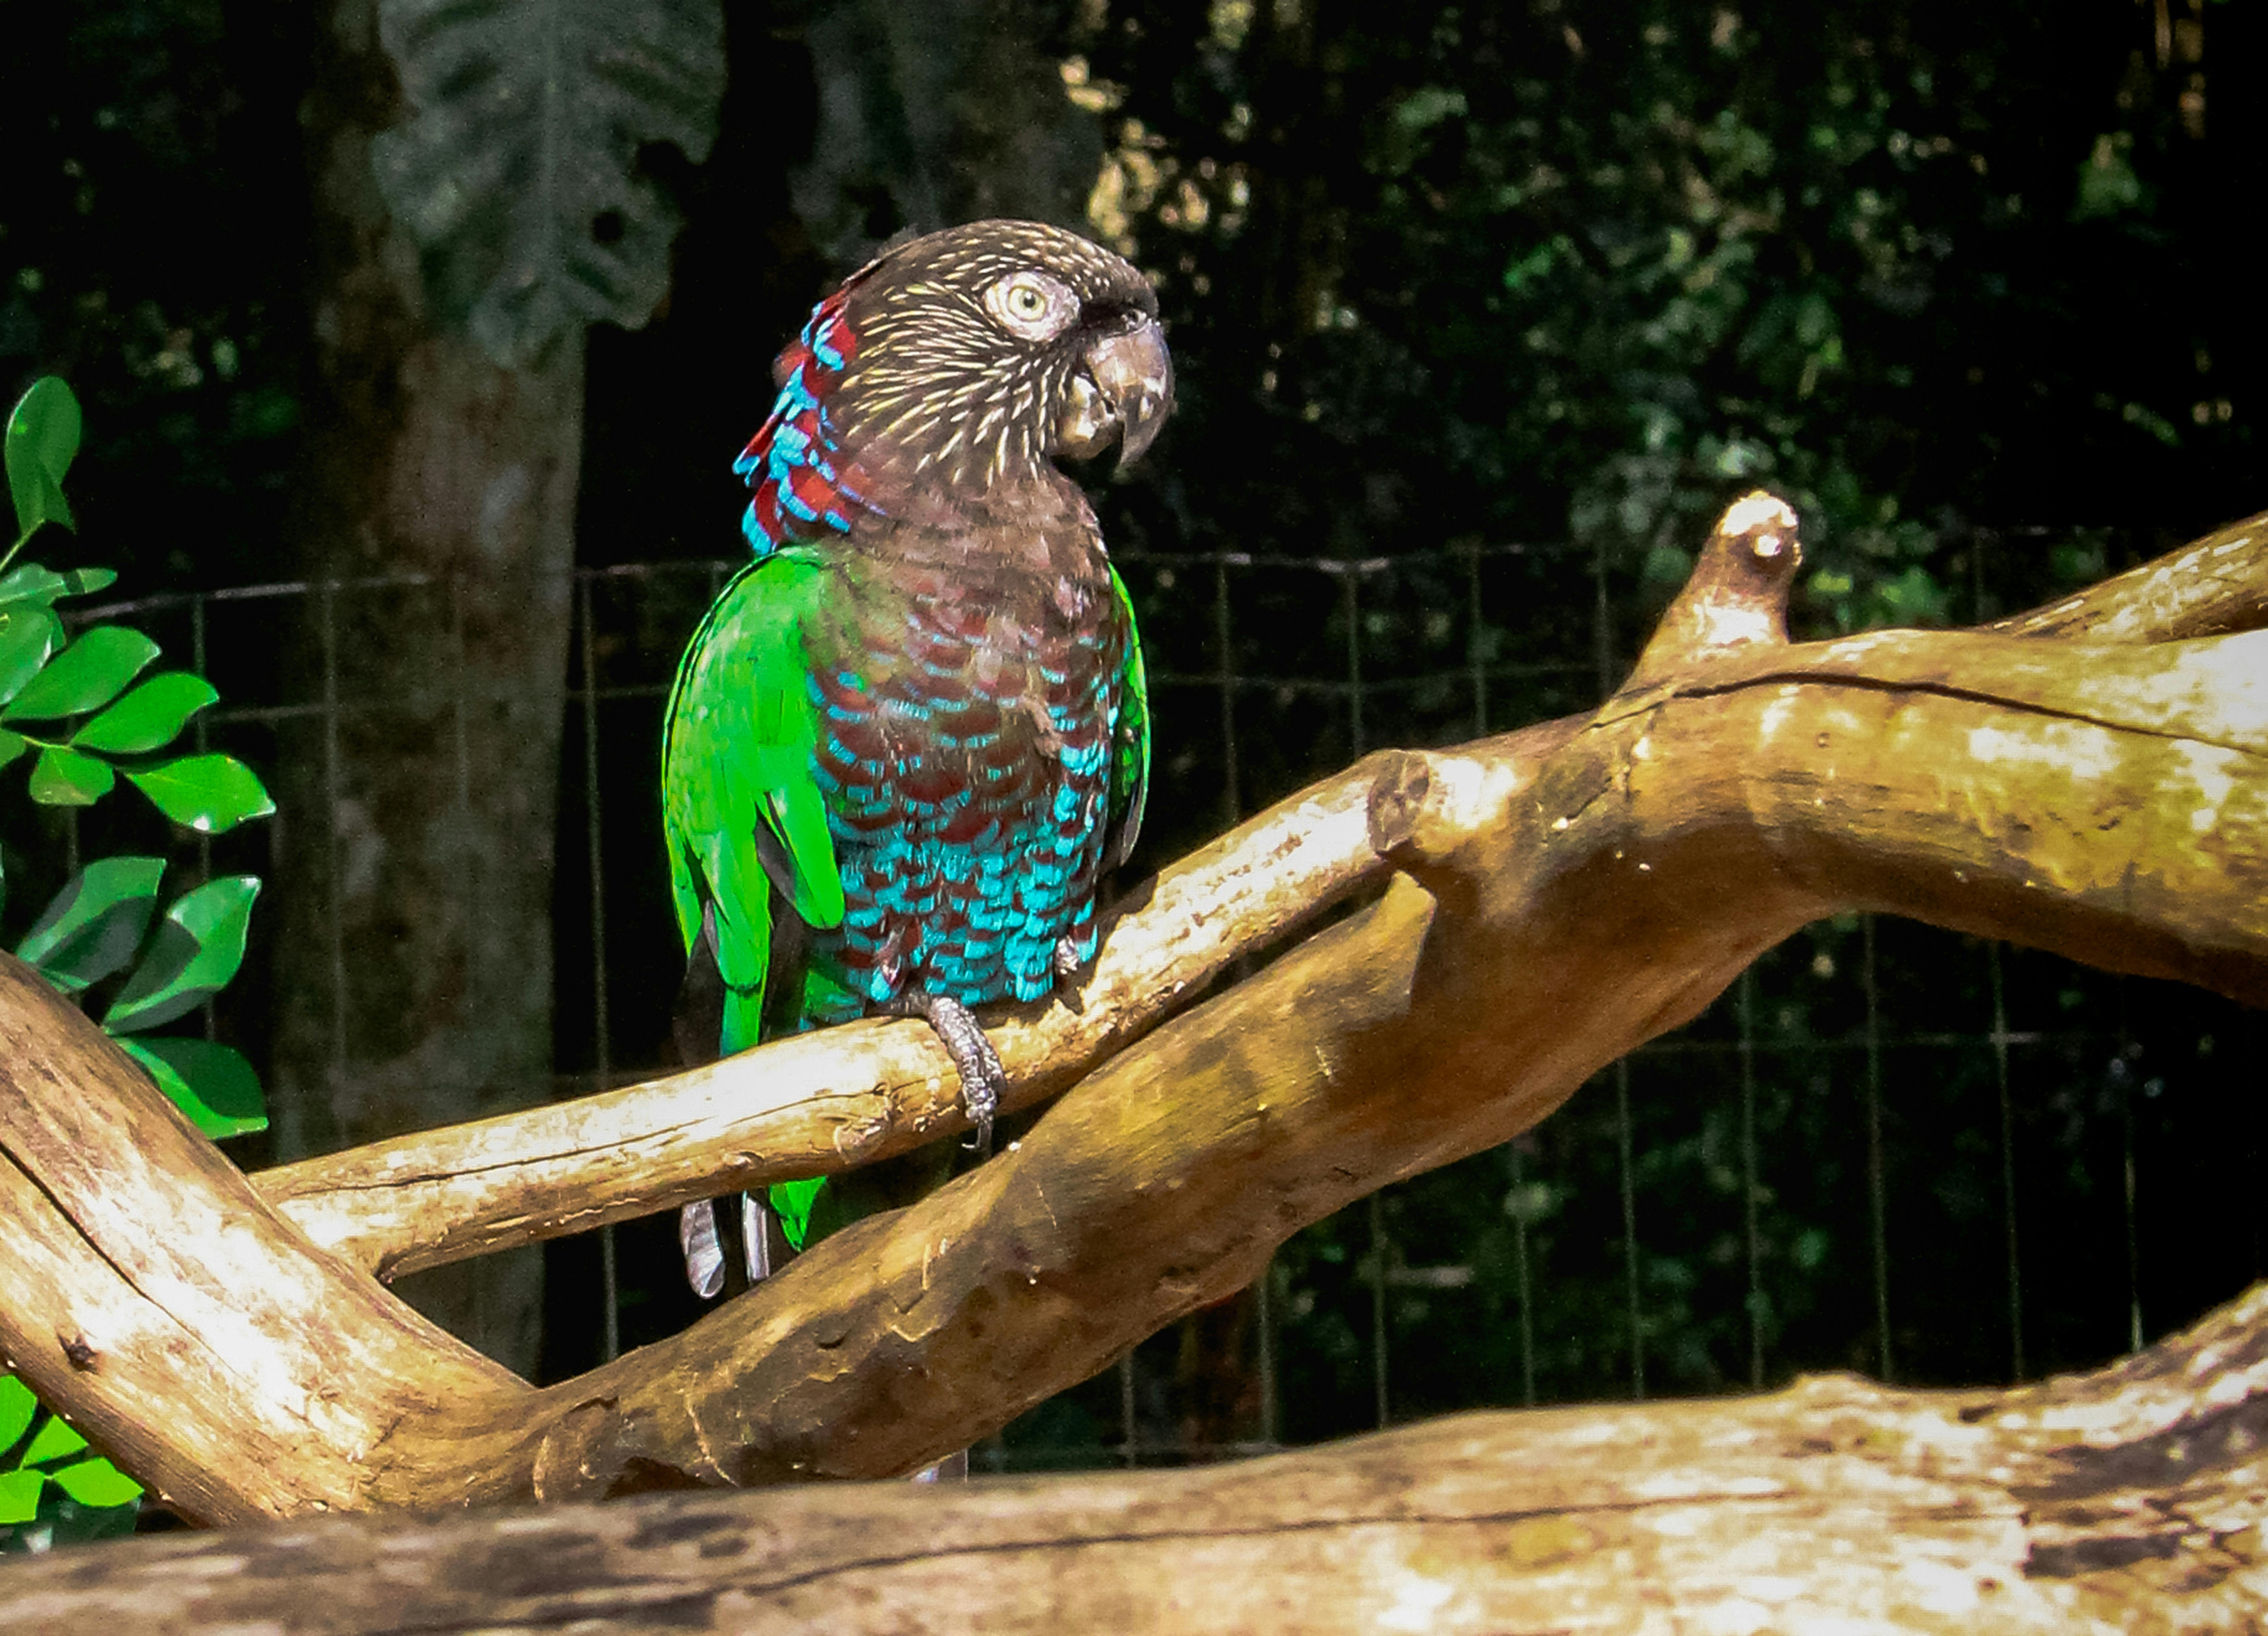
1065 959
983 1078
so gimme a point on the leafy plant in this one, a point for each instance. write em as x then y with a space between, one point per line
71 702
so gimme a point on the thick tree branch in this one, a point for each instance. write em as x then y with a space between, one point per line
2125 1501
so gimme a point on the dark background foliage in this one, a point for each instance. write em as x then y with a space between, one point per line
1970 285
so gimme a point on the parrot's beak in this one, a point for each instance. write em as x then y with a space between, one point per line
1123 390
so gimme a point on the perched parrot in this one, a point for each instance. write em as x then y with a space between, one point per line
911 737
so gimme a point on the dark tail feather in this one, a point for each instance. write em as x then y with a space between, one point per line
708 1238
695 1025
714 1242
757 1229
704 1253
697 1021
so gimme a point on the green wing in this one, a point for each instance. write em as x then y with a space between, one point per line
1129 771
737 755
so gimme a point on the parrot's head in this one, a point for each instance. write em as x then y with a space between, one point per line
957 367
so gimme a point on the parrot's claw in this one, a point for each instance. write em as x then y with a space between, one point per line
983 1078
1065 960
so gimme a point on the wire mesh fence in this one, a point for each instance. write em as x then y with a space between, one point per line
1889 1149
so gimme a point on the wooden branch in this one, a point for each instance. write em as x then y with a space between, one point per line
149 1294
822 1102
1556 912
826 1101
2210 587
1563 895
2130 1500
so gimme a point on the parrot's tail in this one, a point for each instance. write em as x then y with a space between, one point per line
705 1254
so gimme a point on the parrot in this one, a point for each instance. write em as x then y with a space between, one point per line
911 736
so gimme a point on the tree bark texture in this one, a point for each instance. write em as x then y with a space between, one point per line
2125 1501
412 967
1523 911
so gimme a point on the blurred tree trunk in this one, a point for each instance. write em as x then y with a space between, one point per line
415 839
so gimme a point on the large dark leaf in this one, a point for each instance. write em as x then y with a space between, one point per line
519 171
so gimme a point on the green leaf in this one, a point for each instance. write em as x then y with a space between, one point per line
97 1482
28 637
197 951
20 1495
148 718
85 675
63 777
42 437
93 926
54 1440
519 173
19 1408
211 1083
44 586
212 793
12 746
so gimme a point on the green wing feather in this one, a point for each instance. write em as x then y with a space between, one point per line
737 753
1130 776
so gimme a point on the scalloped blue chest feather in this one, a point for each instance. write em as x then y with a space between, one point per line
965 757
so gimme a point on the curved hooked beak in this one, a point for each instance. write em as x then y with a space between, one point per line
1123 389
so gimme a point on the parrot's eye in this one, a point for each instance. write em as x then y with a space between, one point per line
1031 305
